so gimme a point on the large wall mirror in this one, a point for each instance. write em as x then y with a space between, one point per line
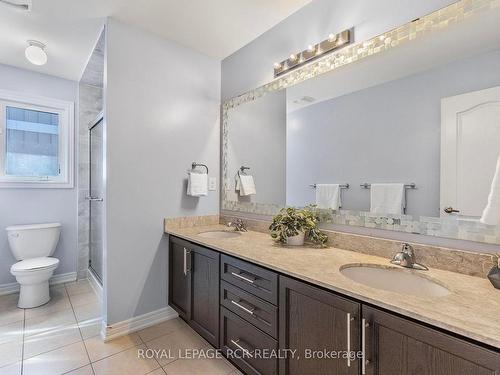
422 117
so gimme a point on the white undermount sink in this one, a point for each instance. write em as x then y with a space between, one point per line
403 281
219 234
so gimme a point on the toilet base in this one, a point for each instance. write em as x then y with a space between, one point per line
33 295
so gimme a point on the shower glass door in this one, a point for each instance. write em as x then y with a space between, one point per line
96 199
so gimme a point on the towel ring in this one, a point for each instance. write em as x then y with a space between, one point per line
195 164
242 170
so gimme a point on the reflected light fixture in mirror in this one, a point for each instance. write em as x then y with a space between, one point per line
35 53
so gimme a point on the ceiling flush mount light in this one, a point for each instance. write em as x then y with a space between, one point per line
313 51
35 52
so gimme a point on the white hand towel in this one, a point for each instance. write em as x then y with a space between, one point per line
246 185
328 196
197 184
491 214
387 198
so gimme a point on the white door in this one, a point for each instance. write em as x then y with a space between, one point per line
470 146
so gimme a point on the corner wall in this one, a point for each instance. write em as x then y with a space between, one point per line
28 206
162 113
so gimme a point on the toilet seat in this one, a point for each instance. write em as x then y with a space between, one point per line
34 264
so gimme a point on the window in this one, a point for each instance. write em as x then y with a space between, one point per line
36 142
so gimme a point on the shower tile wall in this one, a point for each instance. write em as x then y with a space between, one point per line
90 105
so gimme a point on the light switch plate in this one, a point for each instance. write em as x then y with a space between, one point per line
212 183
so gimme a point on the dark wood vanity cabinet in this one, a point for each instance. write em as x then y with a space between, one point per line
318 325
179 284
249 316
397 346
240 306
194 287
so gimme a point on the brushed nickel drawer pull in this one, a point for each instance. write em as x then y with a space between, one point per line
250 311
186 253
236 343
240 276
364 361
349 320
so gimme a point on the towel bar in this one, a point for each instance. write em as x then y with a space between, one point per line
342 186
366 185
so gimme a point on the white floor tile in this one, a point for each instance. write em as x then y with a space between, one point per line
98 349
57 361
11 332
13 369
49 322
125 363
50 340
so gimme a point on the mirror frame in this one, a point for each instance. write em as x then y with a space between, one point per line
430 226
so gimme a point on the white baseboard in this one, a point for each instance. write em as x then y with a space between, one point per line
137 323
95 284
54 280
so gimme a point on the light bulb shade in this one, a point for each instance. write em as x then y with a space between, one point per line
35 53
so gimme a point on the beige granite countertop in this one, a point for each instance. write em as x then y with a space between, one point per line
472 309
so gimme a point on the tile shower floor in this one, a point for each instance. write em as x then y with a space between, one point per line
62 337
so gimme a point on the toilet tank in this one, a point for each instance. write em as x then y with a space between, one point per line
34 240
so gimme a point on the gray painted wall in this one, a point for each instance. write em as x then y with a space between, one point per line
162 113
252 65
386 133
25 206
257 139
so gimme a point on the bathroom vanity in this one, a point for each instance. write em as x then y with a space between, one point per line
416 107
246 293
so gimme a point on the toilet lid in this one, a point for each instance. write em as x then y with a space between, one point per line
35 264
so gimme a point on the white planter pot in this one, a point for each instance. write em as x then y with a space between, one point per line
297 240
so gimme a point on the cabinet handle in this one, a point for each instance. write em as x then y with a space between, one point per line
185 262
239 276
349 320
250 311
364 361
236 343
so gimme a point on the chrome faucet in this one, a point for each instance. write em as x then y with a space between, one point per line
239 225
406 258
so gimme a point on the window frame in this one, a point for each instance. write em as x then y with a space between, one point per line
65 110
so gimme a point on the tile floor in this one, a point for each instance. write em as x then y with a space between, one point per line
62 337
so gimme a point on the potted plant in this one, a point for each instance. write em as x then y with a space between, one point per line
292 225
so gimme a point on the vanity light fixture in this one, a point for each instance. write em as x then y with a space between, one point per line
313 51
35 52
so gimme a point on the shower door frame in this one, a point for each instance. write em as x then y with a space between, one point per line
98 120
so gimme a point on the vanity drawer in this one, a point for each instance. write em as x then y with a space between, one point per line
260 313
254 279
238 337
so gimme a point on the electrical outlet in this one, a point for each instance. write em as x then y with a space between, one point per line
212 183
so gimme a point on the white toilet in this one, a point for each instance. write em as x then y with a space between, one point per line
33 245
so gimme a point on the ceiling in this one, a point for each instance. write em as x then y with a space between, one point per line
70 28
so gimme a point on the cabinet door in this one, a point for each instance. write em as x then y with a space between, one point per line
204 266
316 322
396 346
179 285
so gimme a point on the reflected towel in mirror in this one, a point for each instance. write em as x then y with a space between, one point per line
491 214
328 196
387 198
245 185
197 185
